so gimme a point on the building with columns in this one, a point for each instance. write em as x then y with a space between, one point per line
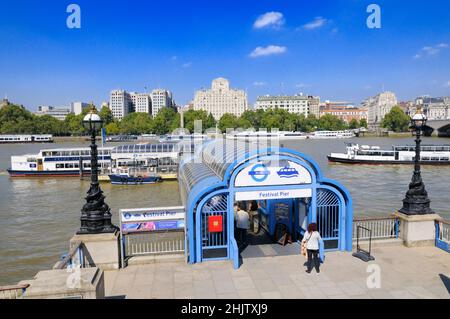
220 99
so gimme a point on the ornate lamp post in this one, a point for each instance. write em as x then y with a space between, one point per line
416 201
95 215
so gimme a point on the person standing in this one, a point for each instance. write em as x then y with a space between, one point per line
311 240
242 223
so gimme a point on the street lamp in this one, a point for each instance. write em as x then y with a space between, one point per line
95 215
416 201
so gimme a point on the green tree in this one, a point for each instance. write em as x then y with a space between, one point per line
228 121
191 116
354 124
16 119
329 122
165 121
106 115
363 123
136 123
396 120
112 128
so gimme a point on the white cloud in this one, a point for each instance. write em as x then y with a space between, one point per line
302 85
431 50
187 65
258 83
269 19
268 50
174 58
318 22
447 85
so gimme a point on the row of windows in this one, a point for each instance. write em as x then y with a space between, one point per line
74 165
75 153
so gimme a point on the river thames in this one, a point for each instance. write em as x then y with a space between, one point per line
38 216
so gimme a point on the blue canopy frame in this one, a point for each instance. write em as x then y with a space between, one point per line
199 182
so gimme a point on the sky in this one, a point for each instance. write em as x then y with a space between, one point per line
262 46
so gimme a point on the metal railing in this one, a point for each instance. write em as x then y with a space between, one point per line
78 256
381 227
150 243
13 292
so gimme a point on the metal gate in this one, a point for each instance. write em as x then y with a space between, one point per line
328 217
214 245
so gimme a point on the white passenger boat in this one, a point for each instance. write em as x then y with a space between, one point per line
161 157
183 137
37 138
364 154
331 134
58 162
261 135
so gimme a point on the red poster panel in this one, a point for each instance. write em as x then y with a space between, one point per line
215 224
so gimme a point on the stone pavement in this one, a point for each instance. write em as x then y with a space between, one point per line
422 272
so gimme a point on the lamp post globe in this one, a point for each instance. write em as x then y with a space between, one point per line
416 201
95 214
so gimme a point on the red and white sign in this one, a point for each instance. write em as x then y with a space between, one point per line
215 224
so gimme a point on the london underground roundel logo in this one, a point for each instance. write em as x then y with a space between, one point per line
259 173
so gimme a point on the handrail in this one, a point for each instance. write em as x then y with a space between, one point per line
85 258
363 218
13 291
14 287
382 227
443 221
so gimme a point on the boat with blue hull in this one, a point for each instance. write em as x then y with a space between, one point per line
127 179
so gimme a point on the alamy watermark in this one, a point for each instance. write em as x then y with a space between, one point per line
374 19
74 19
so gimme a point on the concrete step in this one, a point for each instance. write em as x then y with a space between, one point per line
151 259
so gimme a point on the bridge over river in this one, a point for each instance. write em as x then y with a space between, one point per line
439 128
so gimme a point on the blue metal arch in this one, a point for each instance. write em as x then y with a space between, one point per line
212 186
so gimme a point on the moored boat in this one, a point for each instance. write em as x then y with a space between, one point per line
126 178
331 134
36 138
364 154
63 162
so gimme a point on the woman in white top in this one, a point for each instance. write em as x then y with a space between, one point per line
312 238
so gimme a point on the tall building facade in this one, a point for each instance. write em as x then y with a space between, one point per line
120 103
220 99
297 104
78 107
161 98
141 102
378 106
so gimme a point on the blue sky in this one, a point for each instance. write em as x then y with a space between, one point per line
315 47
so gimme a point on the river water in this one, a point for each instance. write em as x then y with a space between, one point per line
39 215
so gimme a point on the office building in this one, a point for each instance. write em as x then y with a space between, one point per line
220 99
161 98
296 104
59 113
378 106
78 107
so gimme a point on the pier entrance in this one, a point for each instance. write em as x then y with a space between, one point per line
281 191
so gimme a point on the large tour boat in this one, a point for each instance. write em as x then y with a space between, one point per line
11 139
58 162
364 154
331 134
261 135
